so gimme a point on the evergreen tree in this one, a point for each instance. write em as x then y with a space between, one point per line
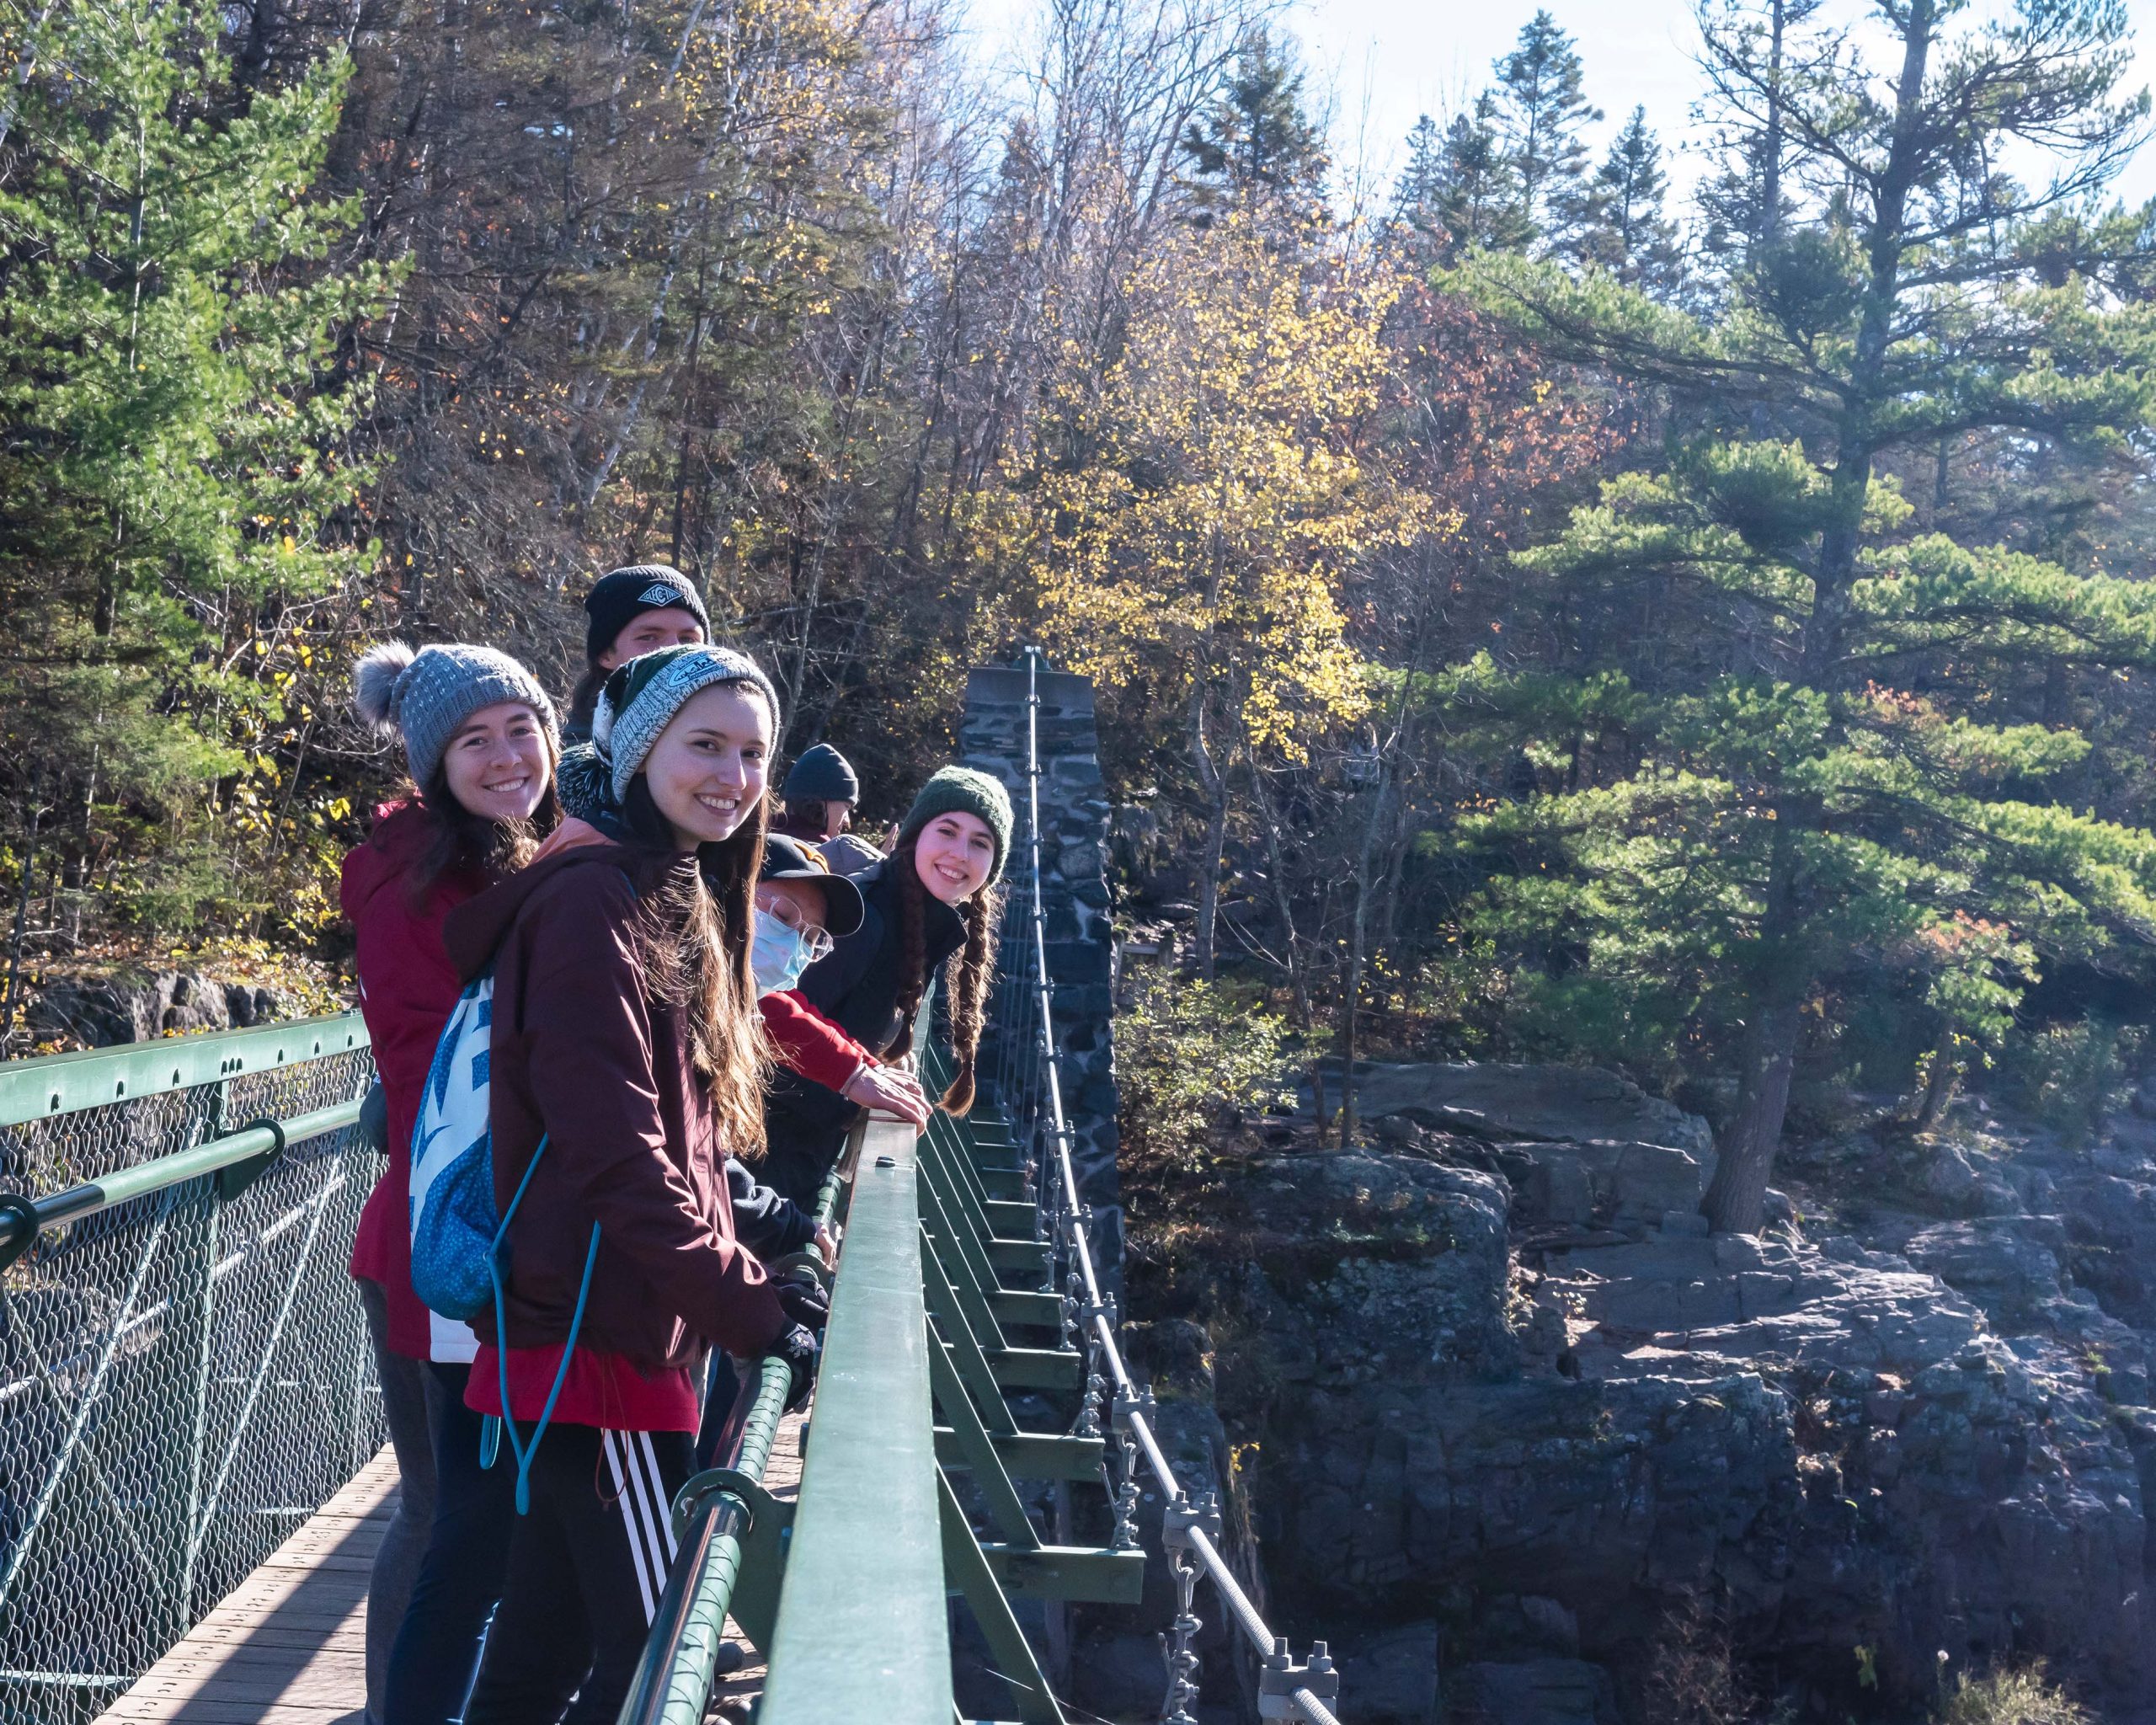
1540 113
1471 193
1624 230
172 486
1255 146
1832 746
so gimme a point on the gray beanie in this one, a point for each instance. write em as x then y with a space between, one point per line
425 695
641 698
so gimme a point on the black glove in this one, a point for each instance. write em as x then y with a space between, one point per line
800 1349
374 1119
806 1303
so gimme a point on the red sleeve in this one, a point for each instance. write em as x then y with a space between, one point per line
591 1049
808 1043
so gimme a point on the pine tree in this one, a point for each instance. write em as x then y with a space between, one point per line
1255 148
1833 745
1540 113
1624 230
171 473
1475 197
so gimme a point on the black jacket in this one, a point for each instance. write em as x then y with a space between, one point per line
855 985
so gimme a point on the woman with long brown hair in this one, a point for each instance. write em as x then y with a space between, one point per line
625 1065
477 733
931 900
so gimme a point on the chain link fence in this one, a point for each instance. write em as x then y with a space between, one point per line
185 1378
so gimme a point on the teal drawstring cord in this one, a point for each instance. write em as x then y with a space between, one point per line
490 1430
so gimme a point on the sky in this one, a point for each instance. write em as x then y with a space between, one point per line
1389 61
1380 63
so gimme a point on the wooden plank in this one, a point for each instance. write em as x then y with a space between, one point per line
288 1646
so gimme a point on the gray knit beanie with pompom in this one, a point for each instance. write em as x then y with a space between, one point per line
424 697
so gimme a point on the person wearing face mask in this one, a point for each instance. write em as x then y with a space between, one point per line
638 608
625 1064
477 733
931 900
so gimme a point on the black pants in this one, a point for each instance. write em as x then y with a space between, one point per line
460 1575
586 1567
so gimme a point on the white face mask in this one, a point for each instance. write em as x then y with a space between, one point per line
779 954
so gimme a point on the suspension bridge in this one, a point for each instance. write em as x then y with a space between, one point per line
192 1469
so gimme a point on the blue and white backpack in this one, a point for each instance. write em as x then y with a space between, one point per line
459 1242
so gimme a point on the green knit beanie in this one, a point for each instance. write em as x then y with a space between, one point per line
959 790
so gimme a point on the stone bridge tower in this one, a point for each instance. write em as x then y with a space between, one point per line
1074 814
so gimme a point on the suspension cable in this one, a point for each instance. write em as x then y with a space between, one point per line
1195 1529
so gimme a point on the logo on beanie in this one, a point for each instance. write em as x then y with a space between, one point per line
660 593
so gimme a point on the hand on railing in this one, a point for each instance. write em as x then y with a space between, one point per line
800 1349
806 1303
889 1090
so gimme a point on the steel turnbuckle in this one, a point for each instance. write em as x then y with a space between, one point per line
1181 1518
1280 1679
1125 1496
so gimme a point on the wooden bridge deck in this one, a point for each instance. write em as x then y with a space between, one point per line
288 1646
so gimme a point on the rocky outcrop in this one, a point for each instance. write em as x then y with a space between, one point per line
1517 1407
138 1006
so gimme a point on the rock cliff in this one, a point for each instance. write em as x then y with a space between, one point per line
1528 1440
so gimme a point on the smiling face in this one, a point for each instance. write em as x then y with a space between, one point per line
650 630
953 856
498 763
706 771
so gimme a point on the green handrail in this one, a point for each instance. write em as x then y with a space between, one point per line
23 1218
680 1661
65 1084
862 1630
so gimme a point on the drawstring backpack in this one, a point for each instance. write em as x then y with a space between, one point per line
458 1241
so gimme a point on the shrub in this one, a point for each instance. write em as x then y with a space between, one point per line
2022 1697
1189 1055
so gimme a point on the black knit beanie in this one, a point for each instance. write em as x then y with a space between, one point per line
821 775
619 597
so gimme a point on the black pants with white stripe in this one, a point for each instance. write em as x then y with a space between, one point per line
585 1569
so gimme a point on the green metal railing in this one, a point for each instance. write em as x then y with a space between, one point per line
185 1372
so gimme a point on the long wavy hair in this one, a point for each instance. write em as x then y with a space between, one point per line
966 977
461 843
694 937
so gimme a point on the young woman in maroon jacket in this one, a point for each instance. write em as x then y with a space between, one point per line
478 738
625 1041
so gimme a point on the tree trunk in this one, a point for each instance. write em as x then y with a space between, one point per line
1283 908
1214 784
1941 1081
1358 945
1735 1199
22 922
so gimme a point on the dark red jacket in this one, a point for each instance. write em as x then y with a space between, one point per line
581 1055
407 988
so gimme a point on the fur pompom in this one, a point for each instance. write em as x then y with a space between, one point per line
374 683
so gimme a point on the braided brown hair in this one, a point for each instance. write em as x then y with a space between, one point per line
966 978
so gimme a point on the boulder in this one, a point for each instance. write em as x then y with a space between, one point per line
2008 1265
1390 1677
1552 1103
136 1007
1535 1692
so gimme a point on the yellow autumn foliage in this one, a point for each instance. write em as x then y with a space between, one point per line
1192 524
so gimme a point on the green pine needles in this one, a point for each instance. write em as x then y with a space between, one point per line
177 381
1815 726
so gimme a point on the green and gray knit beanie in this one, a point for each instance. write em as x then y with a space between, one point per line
960 790
641 698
